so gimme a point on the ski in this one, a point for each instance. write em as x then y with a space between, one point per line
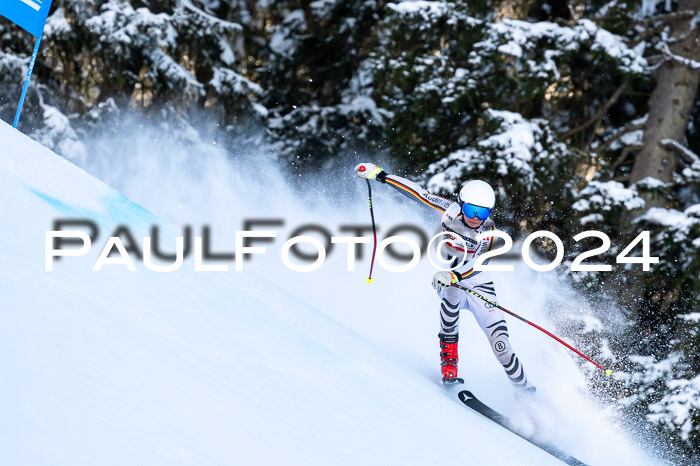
468 398
452 381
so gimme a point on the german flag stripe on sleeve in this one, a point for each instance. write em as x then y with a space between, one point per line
412 194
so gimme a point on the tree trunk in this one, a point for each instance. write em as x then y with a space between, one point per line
671 101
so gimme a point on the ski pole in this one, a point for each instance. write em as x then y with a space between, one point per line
374 230
483 298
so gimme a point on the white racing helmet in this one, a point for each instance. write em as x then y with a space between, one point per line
476 198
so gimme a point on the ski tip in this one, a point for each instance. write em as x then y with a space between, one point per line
608 372
466 395
369 280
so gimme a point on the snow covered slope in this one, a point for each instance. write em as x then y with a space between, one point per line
264 366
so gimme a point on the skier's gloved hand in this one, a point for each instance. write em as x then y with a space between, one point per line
370 171
446 278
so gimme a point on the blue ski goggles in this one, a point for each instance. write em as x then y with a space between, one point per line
471 211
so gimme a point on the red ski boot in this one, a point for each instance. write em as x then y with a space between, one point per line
449 358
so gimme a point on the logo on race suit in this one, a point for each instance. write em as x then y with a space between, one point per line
500 346
470 242
434 199
488 305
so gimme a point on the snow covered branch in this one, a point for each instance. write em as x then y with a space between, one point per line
626 130
688 62
685 153
210 18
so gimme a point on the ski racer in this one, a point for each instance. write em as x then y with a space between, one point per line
462 222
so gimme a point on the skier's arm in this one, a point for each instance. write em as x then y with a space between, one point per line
467 269
406 187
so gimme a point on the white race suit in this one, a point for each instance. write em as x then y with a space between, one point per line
462 246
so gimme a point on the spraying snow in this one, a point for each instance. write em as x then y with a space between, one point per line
264 366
